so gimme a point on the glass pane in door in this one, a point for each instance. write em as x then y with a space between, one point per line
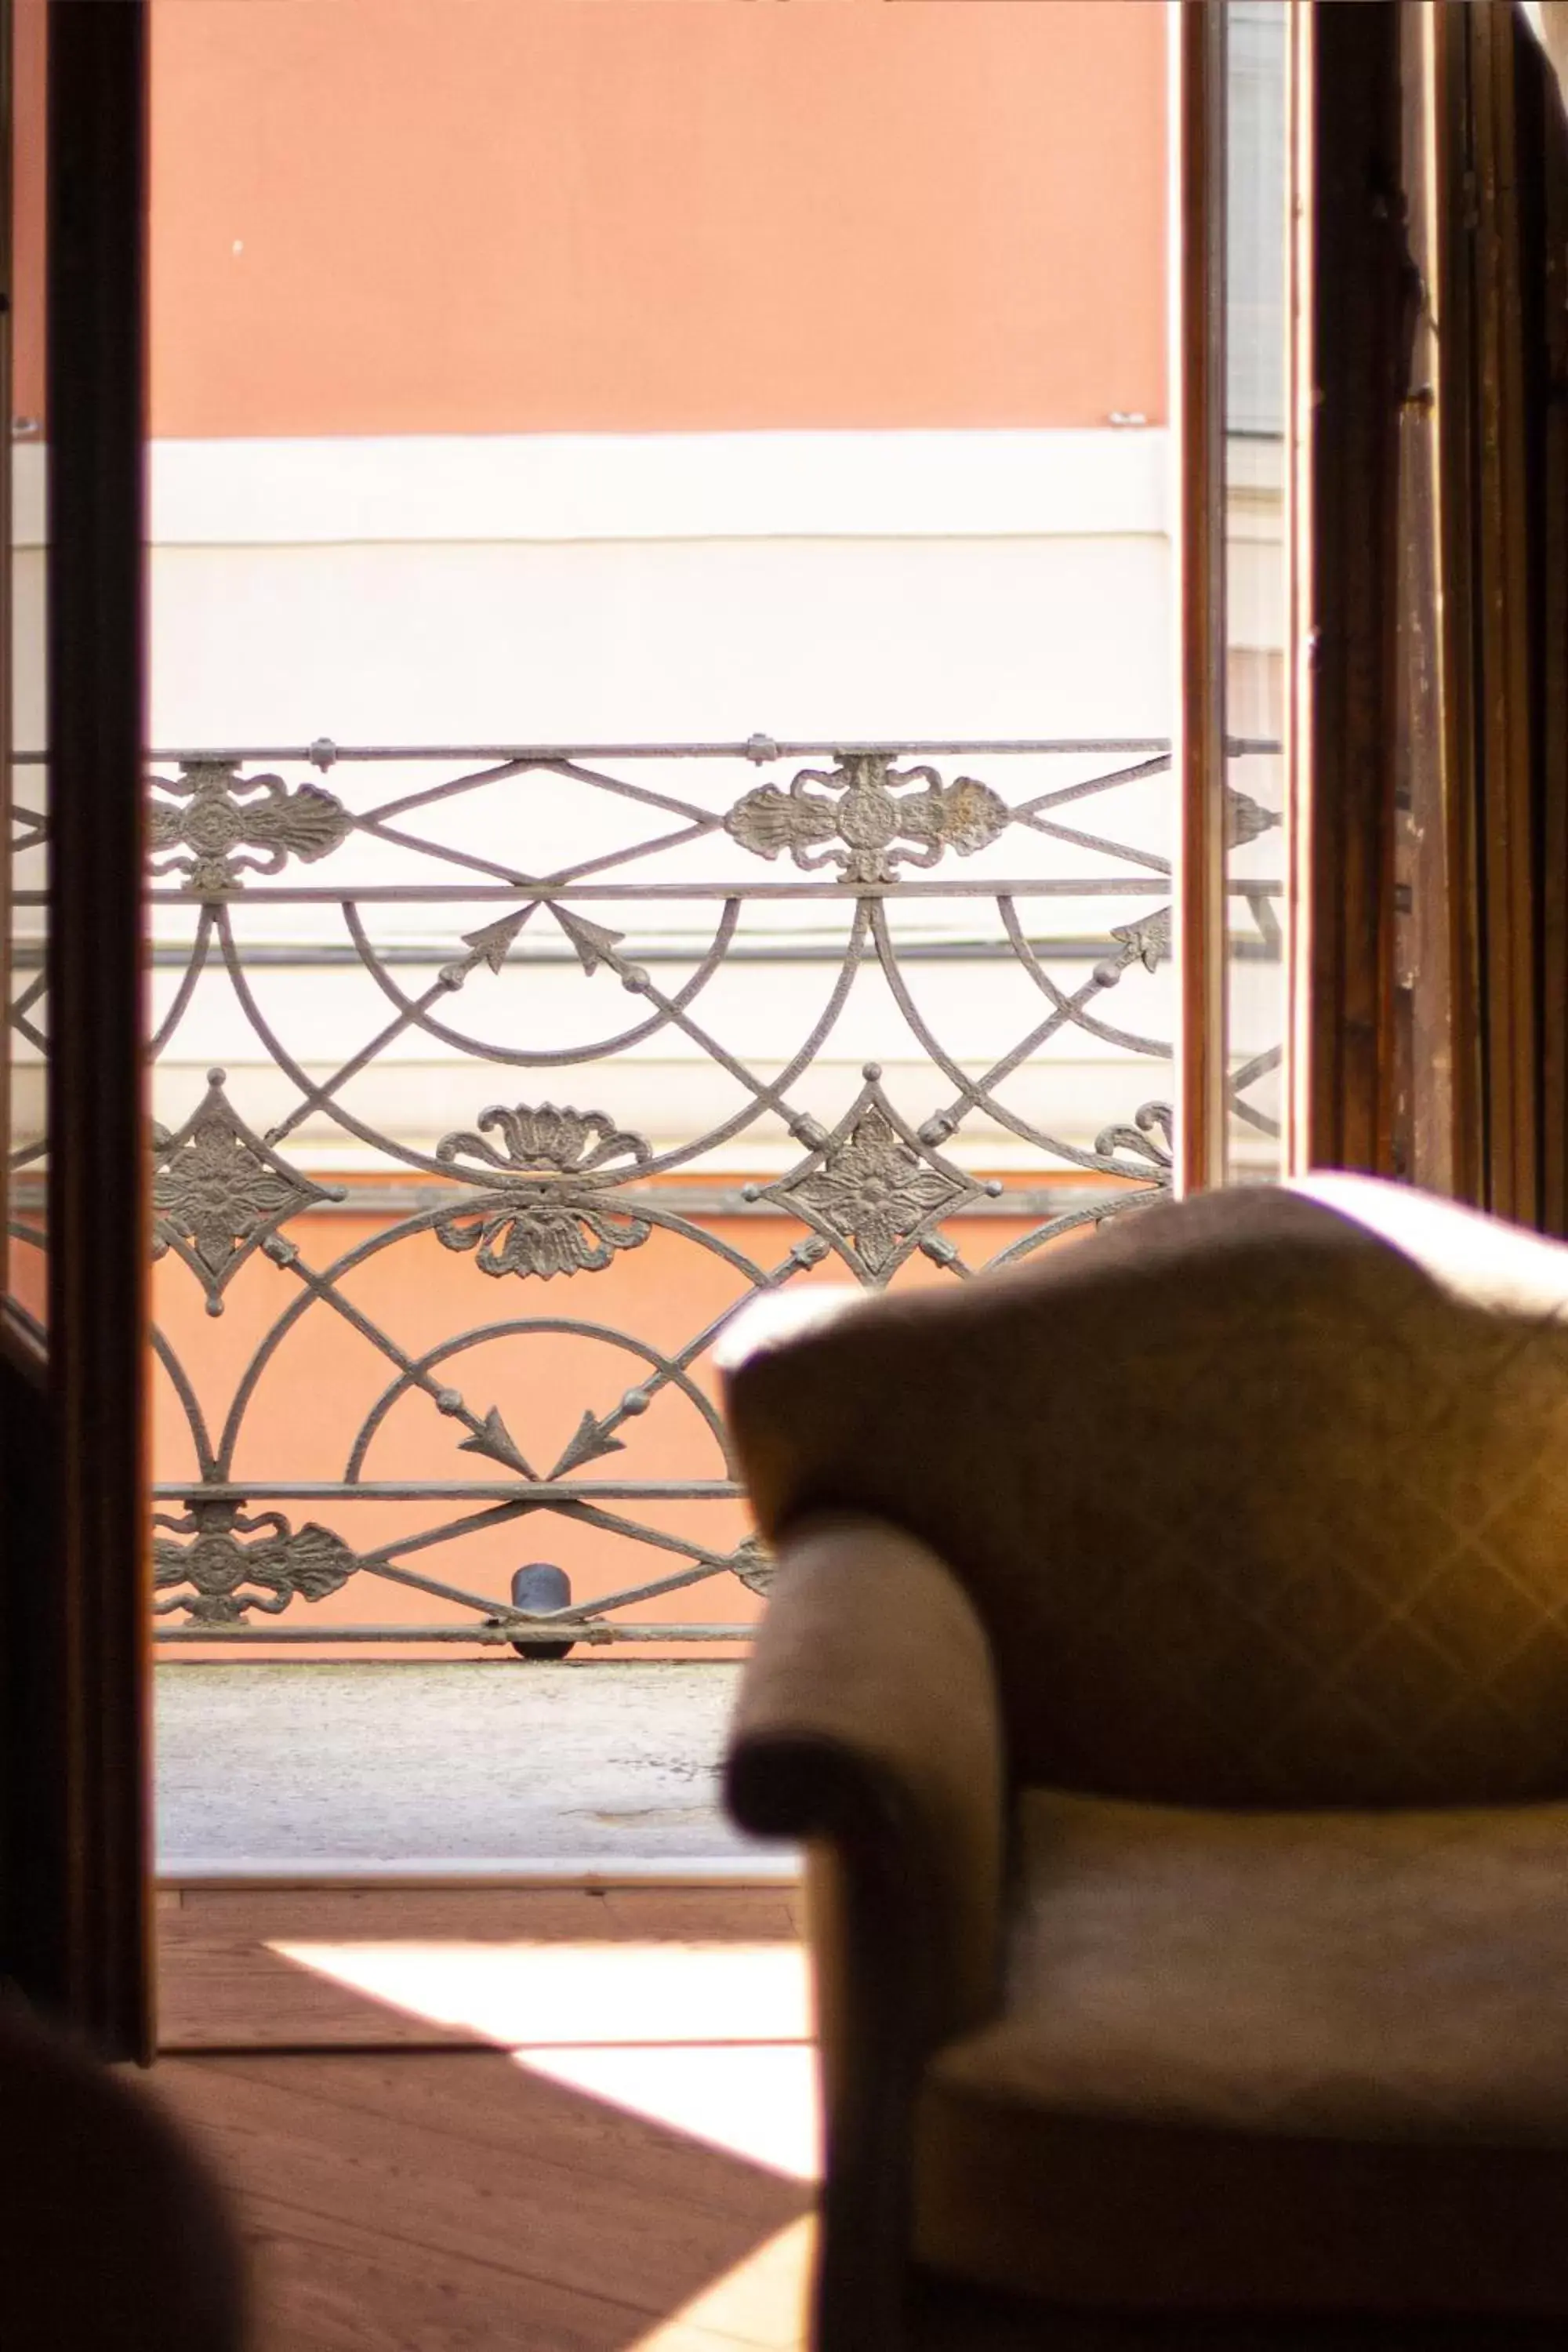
1256 576
23 718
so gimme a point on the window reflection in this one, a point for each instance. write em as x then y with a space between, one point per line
1256 170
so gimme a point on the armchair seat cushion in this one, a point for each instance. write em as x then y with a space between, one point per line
1314 2061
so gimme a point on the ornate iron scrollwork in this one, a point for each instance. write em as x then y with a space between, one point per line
874 1188
1148 1139
754 1564
219 1193
1147 941
222 816
1246 818
540 1225
471 942
873 825
224 1579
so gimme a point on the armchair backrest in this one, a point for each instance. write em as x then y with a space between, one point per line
1262 1496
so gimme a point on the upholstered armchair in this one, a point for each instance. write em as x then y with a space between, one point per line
1167 1673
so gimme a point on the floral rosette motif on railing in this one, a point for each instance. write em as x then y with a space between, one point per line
220 1191
217 825
874 1189
218 1579
882 817
550 1218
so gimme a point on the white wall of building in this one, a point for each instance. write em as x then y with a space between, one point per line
684 586
597 589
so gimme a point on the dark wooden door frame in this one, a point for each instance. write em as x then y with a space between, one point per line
1486 771
1359 309
76 1599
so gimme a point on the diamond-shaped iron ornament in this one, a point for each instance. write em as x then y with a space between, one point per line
218 1192
872 1188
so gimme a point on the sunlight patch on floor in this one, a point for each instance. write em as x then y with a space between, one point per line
755 2103
540 1993
762 2300
712 2041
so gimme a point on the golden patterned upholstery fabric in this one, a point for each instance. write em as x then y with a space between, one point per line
1292 2060
1262 1498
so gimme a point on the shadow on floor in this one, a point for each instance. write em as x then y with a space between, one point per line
455 2120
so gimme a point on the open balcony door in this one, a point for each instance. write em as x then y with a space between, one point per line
74 1598
75 1899
1296 296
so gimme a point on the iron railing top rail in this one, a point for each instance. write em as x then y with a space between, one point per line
761 750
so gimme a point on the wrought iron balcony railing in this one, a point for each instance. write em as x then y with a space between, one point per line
851 1009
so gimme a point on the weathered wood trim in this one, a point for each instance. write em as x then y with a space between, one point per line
1360 297
1198 761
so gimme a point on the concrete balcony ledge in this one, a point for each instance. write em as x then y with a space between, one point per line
478 1770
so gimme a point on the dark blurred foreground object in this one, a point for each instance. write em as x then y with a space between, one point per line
114 2237
1167 1669
542 1586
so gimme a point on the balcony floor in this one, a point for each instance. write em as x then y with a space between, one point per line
448 1768
532 2120
541 2120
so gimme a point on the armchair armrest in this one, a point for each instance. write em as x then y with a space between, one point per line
868 1727
867 1717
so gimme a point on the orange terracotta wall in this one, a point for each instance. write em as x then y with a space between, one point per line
400 216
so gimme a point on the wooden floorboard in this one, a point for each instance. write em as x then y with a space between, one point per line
448 2199
222 1986
632 1911
438 2200
466 2164
456 2199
